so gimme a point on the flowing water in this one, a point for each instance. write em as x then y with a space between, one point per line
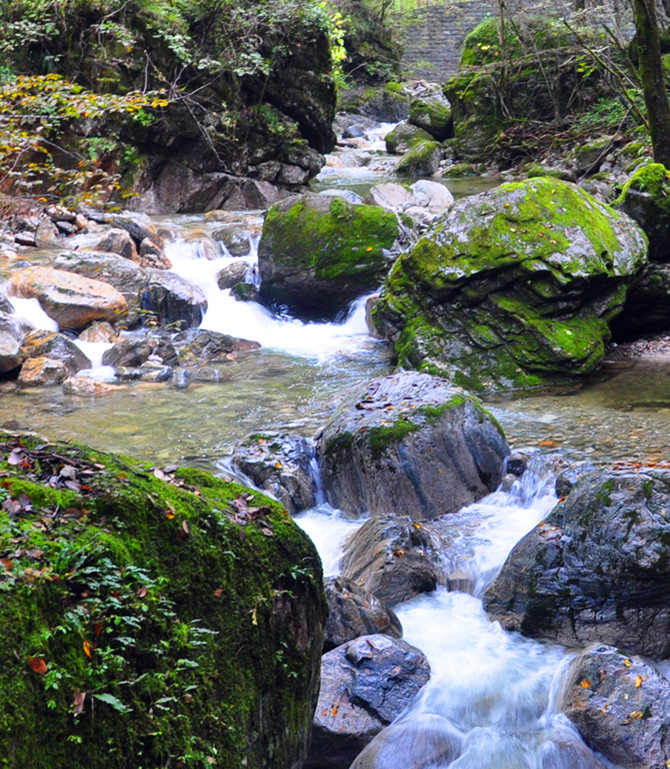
494 690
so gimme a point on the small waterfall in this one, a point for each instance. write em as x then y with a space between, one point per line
498 689
29 311
250 320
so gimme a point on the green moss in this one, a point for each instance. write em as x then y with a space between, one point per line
421 160
383 437
486 298
654 179
345 242
162 604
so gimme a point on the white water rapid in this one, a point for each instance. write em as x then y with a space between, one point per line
492 690
250 320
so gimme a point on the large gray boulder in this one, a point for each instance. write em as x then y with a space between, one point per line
319 252
365 684
621 706
355 612
596 569
394 558
412 444
514 288
281 465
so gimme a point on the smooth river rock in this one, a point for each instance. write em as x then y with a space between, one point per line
410 444
71 300
596 570
365 684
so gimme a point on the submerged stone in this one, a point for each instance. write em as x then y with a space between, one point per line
515 287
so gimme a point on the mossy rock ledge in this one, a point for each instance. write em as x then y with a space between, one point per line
409 444
150 618
318 253
513 288
596 569
646 198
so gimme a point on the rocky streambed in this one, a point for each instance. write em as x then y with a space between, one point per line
415 673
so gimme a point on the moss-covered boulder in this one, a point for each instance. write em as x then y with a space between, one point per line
433 114
405 136
513 288
646 198
150 618
318 253
410 444
596 569
422 160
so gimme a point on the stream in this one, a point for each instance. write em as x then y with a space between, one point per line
495 689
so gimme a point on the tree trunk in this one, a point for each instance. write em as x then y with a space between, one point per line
651 75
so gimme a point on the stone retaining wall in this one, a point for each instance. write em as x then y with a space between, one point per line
435 30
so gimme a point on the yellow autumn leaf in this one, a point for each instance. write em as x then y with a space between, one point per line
638 682
585 684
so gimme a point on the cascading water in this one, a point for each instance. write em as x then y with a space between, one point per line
492 694
251 320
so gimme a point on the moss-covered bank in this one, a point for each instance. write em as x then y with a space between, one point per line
150 619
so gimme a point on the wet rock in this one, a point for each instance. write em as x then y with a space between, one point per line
432 112
411 444
206 248
135 349
280 464
421 160
71 300
173 300
56 347
12 333
25 238
621 706
317 253
66 228
245 292
590 155
155 371
596 569
151 255
514 288
355 612
394 558
568 477
127 277
231 274
516 464
88 387
139 226
235 239
42 372
118 241
99 332
46 234
197 346
403 137
422 742
365 684
388 104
